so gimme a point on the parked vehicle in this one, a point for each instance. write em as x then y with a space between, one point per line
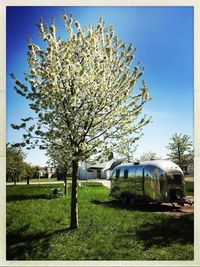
158 181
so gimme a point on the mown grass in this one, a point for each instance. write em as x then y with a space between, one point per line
189 187
37 228
49 179
43 179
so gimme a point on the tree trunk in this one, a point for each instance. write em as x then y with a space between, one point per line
74 200
65 180
28 180
179 156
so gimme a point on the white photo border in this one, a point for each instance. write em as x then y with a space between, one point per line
3 5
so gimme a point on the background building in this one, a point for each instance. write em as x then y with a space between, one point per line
95 170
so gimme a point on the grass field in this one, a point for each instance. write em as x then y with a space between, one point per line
37 228
189 187
44 180
48 180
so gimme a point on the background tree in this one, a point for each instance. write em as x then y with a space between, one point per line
81 90
28 171
35 170
16 167
181 150
149 155
60 159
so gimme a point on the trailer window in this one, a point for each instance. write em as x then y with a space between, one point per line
174 179
148 172
117 173
139 172
125 174
155 174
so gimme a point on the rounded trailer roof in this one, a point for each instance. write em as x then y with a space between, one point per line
165 165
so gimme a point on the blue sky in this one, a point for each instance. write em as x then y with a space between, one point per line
163 37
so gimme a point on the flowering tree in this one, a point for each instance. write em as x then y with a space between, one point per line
181 150
82 92
60 159
16 167
127 149
149 155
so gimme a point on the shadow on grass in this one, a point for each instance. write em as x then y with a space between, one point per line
167 231
149 207
21 245
22 197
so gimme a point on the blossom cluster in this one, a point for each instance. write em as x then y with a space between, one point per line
82 91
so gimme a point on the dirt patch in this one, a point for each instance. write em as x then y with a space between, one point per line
178 211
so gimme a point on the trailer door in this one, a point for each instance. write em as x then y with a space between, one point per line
139 183
152 183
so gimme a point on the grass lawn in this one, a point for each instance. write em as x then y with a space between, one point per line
48 180
37 228
44 180
189 187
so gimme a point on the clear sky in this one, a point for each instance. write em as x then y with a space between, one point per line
164 40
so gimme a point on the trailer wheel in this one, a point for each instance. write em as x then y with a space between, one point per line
176 194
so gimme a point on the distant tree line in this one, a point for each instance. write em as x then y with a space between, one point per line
16 167
180 151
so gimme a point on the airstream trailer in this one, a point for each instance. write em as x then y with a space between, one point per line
151 181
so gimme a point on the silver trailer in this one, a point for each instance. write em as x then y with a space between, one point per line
158 181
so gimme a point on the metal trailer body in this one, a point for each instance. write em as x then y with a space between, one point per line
151 181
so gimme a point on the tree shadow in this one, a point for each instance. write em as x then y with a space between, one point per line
167 231
20 244
148 207
23 197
